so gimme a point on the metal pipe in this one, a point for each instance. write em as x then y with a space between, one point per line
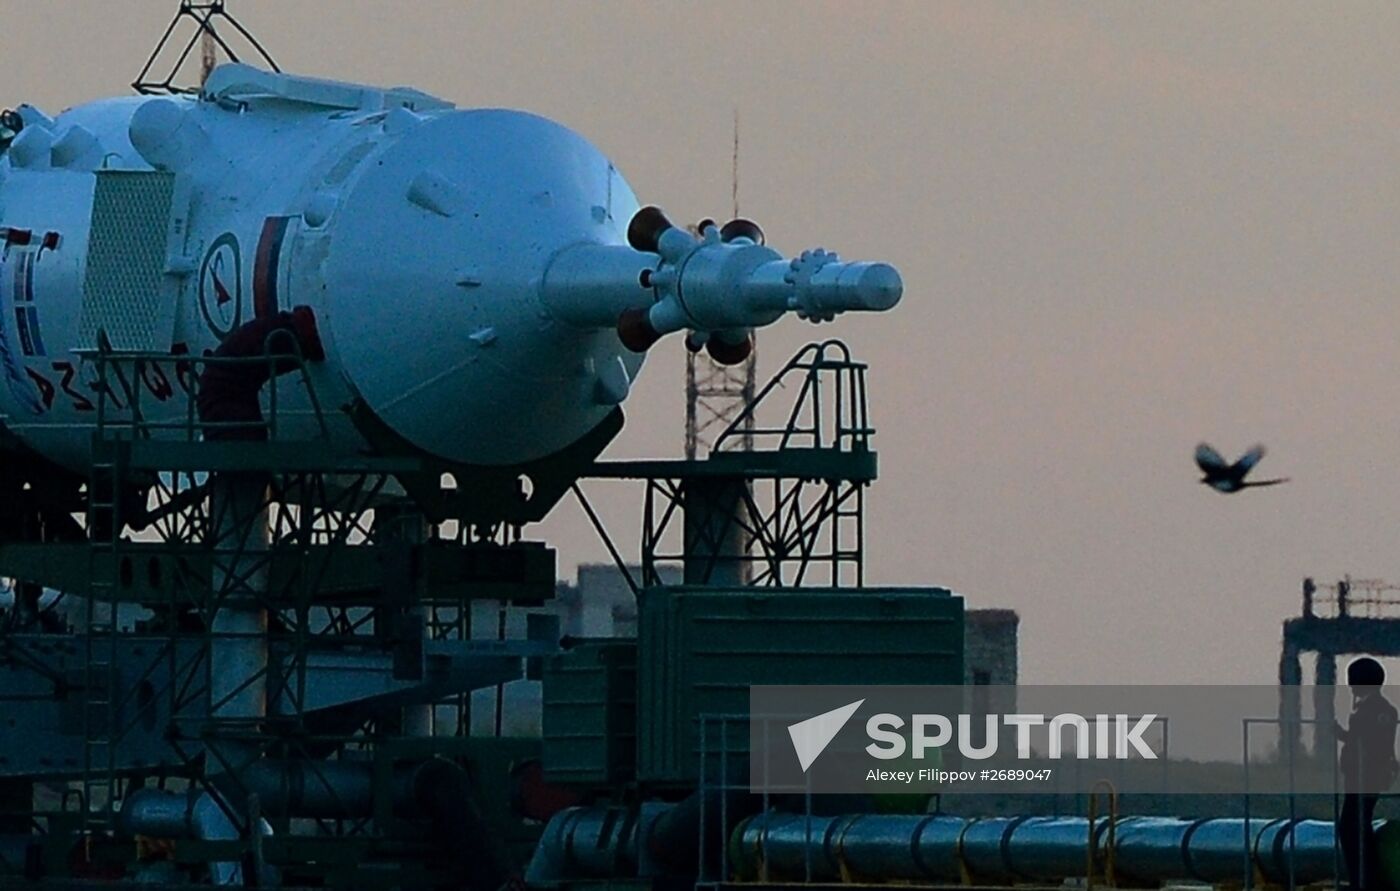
1152 846
1308 843
878 848
1048 848
655 839
321 790
325 789
585 842
160 814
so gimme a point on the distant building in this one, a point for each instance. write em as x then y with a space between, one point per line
990 662
991 647
601 603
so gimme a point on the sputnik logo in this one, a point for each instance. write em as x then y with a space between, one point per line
811 737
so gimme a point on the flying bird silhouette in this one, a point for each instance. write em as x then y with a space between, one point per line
1229 478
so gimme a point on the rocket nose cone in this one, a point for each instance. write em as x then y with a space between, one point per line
880 286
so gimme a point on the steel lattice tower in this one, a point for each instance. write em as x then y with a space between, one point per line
715 394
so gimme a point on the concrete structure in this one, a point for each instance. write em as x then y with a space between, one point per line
990 660
598 603
601 603
1351 617
991 647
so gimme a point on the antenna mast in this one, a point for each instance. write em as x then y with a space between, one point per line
715 394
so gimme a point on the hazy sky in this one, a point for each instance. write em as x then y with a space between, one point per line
1123 228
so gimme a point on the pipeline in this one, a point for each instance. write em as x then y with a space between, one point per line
437 789
592 843
871 848
327 790
656 839
195 814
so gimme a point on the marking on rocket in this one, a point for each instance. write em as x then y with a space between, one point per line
267 261
35 334
221 306
16 237
24 278
45 387
26 342
219 289
68 372
31 338
50 242
22 389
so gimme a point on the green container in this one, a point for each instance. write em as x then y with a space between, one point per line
589 722
700 649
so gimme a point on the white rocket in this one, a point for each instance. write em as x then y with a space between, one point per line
483 281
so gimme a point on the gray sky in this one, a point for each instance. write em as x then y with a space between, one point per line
1122 228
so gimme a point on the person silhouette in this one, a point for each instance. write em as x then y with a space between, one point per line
1368 768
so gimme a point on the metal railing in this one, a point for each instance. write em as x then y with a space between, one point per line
138 393
1351 598
829 411
1290 755
717 871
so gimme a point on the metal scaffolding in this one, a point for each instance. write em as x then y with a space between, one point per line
788 509
253 601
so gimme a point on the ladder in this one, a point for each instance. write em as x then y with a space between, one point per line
100 687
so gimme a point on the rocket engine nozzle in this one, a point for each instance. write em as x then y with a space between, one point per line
741 228
635 331
724 347
730 352
723 281
644 231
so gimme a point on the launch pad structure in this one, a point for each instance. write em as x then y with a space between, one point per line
278 642
272 576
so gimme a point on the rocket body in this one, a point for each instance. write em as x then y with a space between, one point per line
422 237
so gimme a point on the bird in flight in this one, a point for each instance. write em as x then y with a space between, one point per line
1229 478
